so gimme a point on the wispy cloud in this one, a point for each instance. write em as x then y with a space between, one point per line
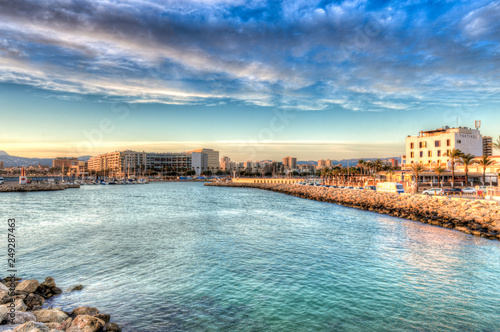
302 54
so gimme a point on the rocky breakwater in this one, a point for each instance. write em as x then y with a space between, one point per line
476 217
23 309
35 187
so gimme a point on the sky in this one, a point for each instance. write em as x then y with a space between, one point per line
253 79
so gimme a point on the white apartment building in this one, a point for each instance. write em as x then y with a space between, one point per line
431 147
200 162
213 158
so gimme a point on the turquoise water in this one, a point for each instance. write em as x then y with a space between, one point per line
184 257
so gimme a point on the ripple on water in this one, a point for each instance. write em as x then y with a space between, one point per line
181 256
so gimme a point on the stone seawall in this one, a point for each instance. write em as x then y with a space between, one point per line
476 217
35 187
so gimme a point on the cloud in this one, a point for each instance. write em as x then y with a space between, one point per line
301 54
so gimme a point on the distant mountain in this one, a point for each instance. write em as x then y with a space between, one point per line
9 160
348 162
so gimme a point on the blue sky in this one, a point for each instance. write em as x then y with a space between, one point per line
254 79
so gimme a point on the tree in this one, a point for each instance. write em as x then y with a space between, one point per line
453 155
416 169
496 145
361 164
484 162
439 170
467 160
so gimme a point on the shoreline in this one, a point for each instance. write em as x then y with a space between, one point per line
479 218
22 309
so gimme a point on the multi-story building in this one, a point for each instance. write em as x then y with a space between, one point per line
289 163
322 163
225 163
487 146
125 162
213 158
430 148
61 162
199 162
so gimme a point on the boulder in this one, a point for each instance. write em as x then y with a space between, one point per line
104 317
4 290
50 316
27 286
86 322
33 300
49 282
22 317
32 327
20 305
112 327
74 288
4 310
91 311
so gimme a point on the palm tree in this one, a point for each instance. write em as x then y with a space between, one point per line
484 162
496 144
467 160
416 169
439 170
389 174
361 164
453 155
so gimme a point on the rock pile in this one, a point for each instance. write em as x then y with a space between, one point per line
476 217
36 187
21 308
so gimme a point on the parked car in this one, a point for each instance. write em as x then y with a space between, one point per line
469 190
370 188
453 191
433 191
1 180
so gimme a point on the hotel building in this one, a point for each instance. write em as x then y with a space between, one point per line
130 162
431 147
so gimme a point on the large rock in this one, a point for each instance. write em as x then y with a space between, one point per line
91 311
112 327
104 317
50 315
33 300
49 282
27 286
4 311
22 317
3 289
32 327
74 288
88 323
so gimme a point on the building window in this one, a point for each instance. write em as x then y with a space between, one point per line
421 154
439 153
412 155
412 145
459 141
429 154
423 145
448 142
437 144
